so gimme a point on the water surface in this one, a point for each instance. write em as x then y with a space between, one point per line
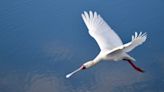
43 40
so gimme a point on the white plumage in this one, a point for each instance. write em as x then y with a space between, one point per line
110 44
106 38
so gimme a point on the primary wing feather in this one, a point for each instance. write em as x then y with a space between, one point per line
106 38
137 40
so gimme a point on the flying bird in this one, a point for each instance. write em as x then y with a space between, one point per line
111 46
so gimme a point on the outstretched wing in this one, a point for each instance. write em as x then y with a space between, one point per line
106 38
137 40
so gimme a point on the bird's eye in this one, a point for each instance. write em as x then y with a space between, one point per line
83 67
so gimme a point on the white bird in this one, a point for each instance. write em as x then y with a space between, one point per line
109 42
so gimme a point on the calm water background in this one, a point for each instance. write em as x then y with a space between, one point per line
43 40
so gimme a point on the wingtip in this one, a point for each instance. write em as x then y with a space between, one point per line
136 34
82 15
140 34
132 37
90 11
95 13
85 13
145 34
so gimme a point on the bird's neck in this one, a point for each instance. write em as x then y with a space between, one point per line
97 60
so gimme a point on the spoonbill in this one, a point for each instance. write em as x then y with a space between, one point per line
111 46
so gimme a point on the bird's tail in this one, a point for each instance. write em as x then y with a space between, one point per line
128 57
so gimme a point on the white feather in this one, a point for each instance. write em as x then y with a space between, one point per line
109 42
138 40
106 38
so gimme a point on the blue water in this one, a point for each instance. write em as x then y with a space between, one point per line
43 40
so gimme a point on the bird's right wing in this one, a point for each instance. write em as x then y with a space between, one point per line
137 40
106 38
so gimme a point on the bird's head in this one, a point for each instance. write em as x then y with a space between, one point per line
87 65
83 67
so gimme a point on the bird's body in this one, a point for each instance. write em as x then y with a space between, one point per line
111 46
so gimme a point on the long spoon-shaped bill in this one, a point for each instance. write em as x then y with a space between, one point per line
70 74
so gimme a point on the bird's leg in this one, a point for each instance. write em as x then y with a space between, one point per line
134 66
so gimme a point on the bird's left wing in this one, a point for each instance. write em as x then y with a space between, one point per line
106 38
137 40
